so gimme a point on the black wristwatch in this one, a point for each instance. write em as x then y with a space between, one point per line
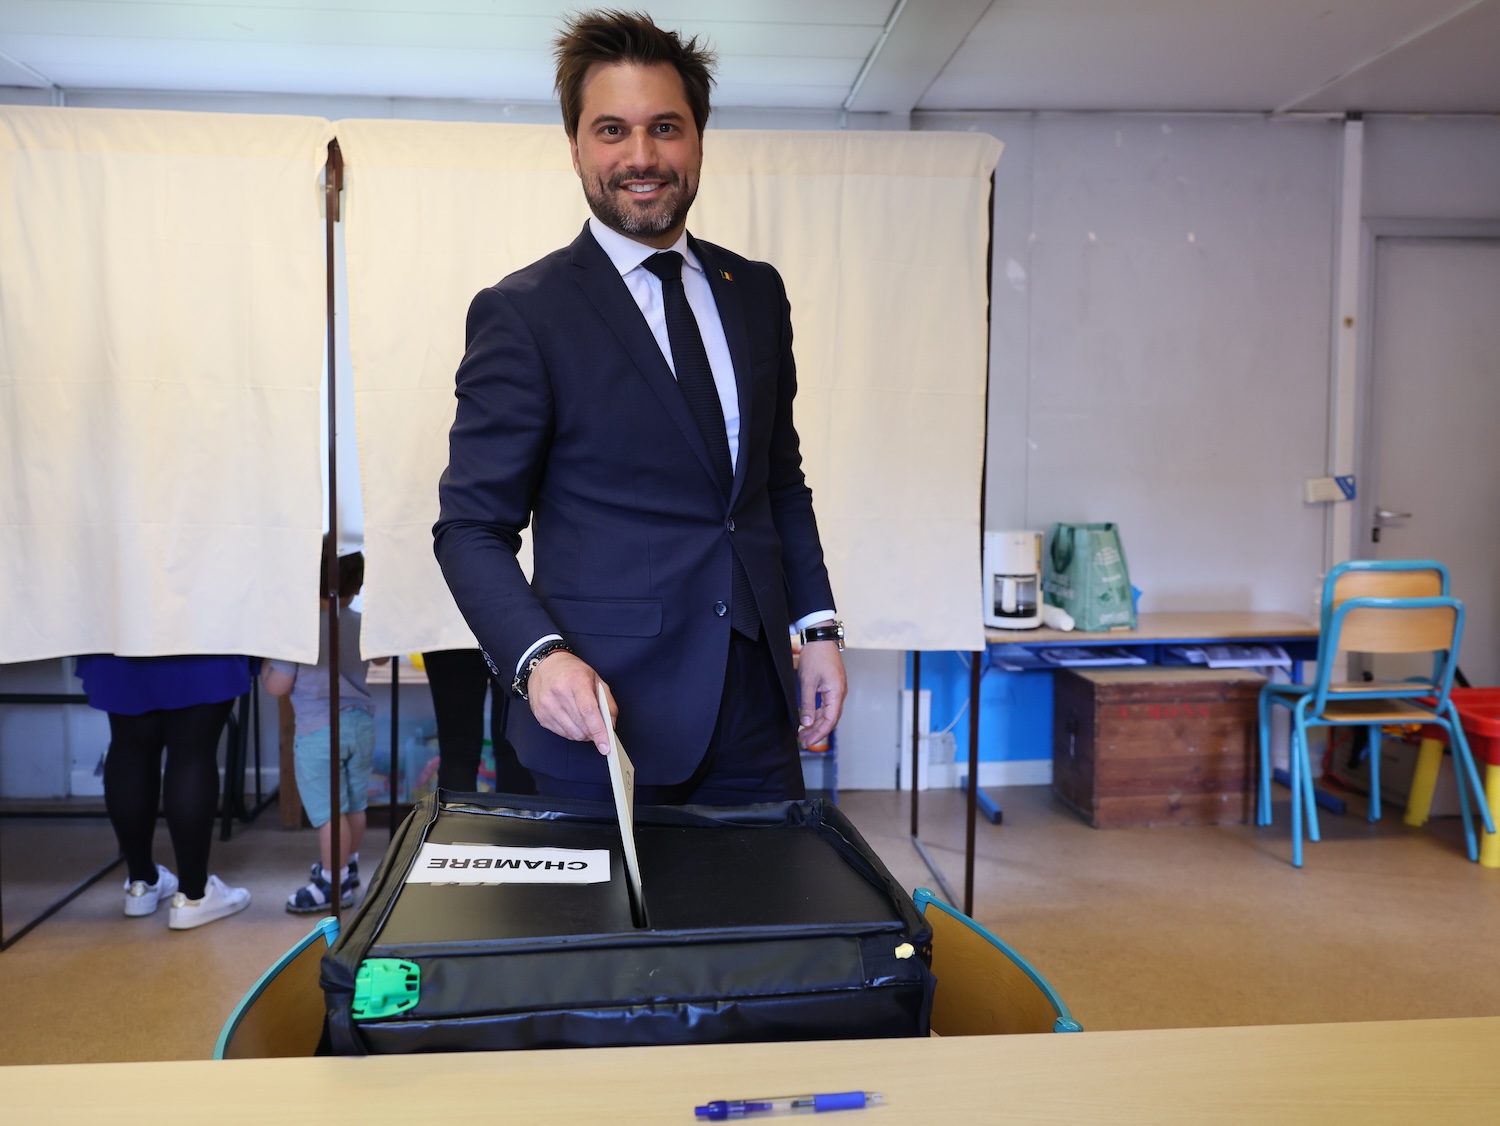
835 632
523 677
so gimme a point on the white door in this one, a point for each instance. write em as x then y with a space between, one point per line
1432 487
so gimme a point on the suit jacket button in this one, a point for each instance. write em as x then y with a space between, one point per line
720 609
731 525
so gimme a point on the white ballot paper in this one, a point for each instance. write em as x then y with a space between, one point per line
622 783
497 864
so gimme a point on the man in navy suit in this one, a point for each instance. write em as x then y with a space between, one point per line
596 399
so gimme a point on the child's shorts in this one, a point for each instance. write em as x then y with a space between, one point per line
356 761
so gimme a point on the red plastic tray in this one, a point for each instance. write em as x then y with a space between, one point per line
1479 712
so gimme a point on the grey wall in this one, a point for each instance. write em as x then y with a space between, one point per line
1160 342
1432 168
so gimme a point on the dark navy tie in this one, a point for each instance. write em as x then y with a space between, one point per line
696 379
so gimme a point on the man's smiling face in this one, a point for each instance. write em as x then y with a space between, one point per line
638 151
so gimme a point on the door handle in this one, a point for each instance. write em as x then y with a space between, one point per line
1387 514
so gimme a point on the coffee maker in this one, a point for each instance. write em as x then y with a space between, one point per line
1013 579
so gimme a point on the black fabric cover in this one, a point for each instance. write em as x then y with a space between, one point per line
765 922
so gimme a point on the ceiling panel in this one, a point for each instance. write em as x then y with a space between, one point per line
287 68
79 14
1454 68
1171 54
324 26
455 49
1189 55
14 74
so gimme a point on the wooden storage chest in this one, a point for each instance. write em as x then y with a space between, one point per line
1155 746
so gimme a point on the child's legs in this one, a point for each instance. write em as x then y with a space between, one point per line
356 763
357 739
354 833
351 832
310 760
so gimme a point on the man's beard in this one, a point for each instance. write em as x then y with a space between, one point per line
617 214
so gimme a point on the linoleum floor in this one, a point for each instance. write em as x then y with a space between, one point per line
1144 928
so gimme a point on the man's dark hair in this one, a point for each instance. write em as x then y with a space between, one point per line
627 37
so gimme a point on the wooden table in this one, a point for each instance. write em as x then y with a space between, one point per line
1155 631
1402 1072
1296 633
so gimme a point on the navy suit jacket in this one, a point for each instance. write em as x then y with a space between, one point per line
570 418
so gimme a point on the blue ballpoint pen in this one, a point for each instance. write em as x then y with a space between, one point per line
721 1109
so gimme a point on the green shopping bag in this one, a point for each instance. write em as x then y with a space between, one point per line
1087 576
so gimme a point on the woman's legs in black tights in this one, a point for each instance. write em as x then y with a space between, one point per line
510 776
133 782
190 797
458 679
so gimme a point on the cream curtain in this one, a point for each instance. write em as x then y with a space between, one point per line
433 213
881 238
161 341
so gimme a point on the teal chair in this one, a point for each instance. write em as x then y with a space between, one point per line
983 986
282 1014
1374 606
1368 578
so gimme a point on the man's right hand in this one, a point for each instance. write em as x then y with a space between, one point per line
564 700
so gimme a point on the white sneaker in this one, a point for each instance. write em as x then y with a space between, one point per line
142 898
219 900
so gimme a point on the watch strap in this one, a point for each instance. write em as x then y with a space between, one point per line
522 681
833 632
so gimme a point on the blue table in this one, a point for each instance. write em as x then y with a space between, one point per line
1154 634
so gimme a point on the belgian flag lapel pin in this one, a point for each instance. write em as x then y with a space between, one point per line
726 275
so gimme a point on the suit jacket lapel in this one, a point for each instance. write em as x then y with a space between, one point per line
606 290
732 316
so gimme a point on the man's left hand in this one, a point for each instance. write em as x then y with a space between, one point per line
823 686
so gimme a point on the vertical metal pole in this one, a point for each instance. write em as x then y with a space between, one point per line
916 730
916 766
333 181
255 716
973 795
390 813
977 662
3 943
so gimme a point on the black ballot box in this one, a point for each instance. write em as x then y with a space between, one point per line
497 921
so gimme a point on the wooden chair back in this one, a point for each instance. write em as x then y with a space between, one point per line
983 987
1388 625
1377 630
1418 583
1398 629
282 1015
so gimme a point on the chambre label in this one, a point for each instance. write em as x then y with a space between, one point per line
455 863
502 864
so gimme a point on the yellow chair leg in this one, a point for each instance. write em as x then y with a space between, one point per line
1489 843
1424 782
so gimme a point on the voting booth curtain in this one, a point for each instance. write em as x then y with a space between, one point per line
161 328
882 240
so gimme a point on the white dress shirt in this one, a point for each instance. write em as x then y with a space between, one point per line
627 256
